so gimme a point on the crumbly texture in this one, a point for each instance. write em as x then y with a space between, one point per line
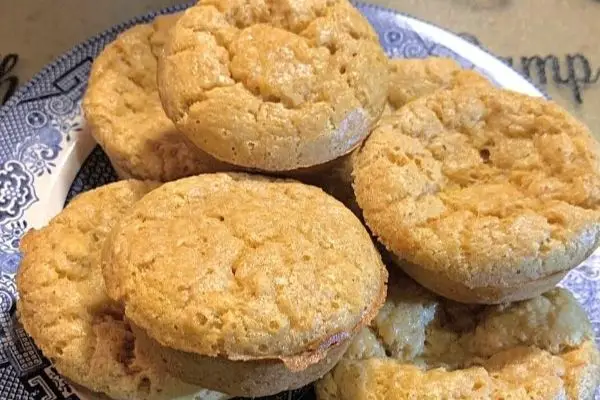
124 112
422 346
276 85
64 307
482 191
410 79
245 267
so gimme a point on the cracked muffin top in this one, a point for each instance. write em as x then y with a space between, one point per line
410 79
64 307
481 186
275 85
542 348
245 267
125 115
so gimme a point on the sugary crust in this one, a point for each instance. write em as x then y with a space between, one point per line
276 85
124 112
284 271
423 346
63 305
484 188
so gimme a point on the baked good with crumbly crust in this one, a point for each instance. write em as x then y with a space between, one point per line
423 346
125 116
243 273
410 79
63 305
274 86
483 195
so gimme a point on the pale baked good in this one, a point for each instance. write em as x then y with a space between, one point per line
424 347
483 195
410 79
243 279
125 116
274 86
64 307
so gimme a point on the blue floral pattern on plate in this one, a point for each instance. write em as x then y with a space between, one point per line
40 123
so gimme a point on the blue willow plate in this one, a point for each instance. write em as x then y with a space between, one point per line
47 156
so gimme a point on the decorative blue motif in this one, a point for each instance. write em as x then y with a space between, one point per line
38 151
589 269
34 155
60 105
68 126
16 190
35 127
22 367
70 116
36 119
10 234
9 262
